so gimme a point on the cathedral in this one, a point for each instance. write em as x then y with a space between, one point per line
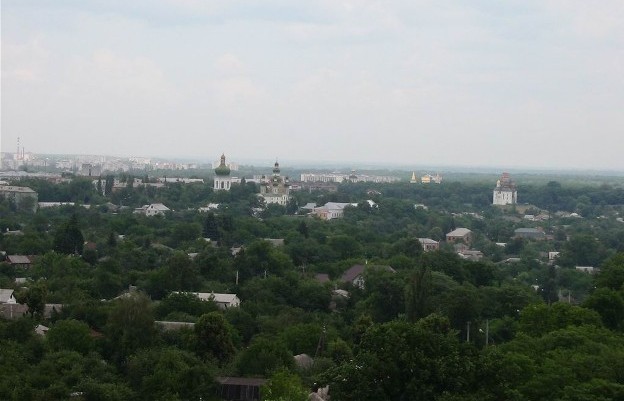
505 192
275 189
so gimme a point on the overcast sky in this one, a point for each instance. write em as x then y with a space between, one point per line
526 83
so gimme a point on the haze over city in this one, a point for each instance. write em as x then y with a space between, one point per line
534 84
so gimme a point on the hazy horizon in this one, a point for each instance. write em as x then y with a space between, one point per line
514 85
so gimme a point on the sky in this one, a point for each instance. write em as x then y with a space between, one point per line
515 83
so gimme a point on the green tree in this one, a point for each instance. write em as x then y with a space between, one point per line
34 297
130 326
214 337
284 386
170 374
417 294
264 356
610 305
71 335
68 238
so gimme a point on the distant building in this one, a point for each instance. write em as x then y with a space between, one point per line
529 233
21 261
586 269
275 189
222 180
332 210
469 254
223 301
19 195
413 180
355 274
428 244
459 234
155 209
505 192
428 179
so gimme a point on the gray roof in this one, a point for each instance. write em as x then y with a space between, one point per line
527 230
459 232
357 270
242 381
9 188
18 259
5 295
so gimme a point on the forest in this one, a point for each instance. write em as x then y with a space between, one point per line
514 324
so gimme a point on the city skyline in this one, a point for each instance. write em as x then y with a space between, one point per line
520 84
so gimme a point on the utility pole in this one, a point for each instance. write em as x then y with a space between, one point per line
467 332
487 332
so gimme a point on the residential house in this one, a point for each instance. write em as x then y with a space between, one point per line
529 233
209 207
460 235
155 209
586 269
275 241
332 210
428 244
355 274
41 330
307 208
170 326
22 261
471 255
7 296
322 278
223 301
240 388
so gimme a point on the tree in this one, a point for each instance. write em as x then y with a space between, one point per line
130 326
612 273
71 335
214 337
264 356
303 229
610 305
68 238
34 297
417 294
108 185
211 228
169 374
284 386
403 361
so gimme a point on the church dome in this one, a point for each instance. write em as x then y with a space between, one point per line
223 169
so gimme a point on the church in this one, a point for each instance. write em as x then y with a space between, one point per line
505 192
222 180
275 189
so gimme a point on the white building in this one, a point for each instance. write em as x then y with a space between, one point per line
505 192
222 180
332 210
154 209
223 301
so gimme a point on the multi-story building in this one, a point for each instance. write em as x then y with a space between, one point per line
19 195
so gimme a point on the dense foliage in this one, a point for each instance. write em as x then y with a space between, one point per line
513 325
